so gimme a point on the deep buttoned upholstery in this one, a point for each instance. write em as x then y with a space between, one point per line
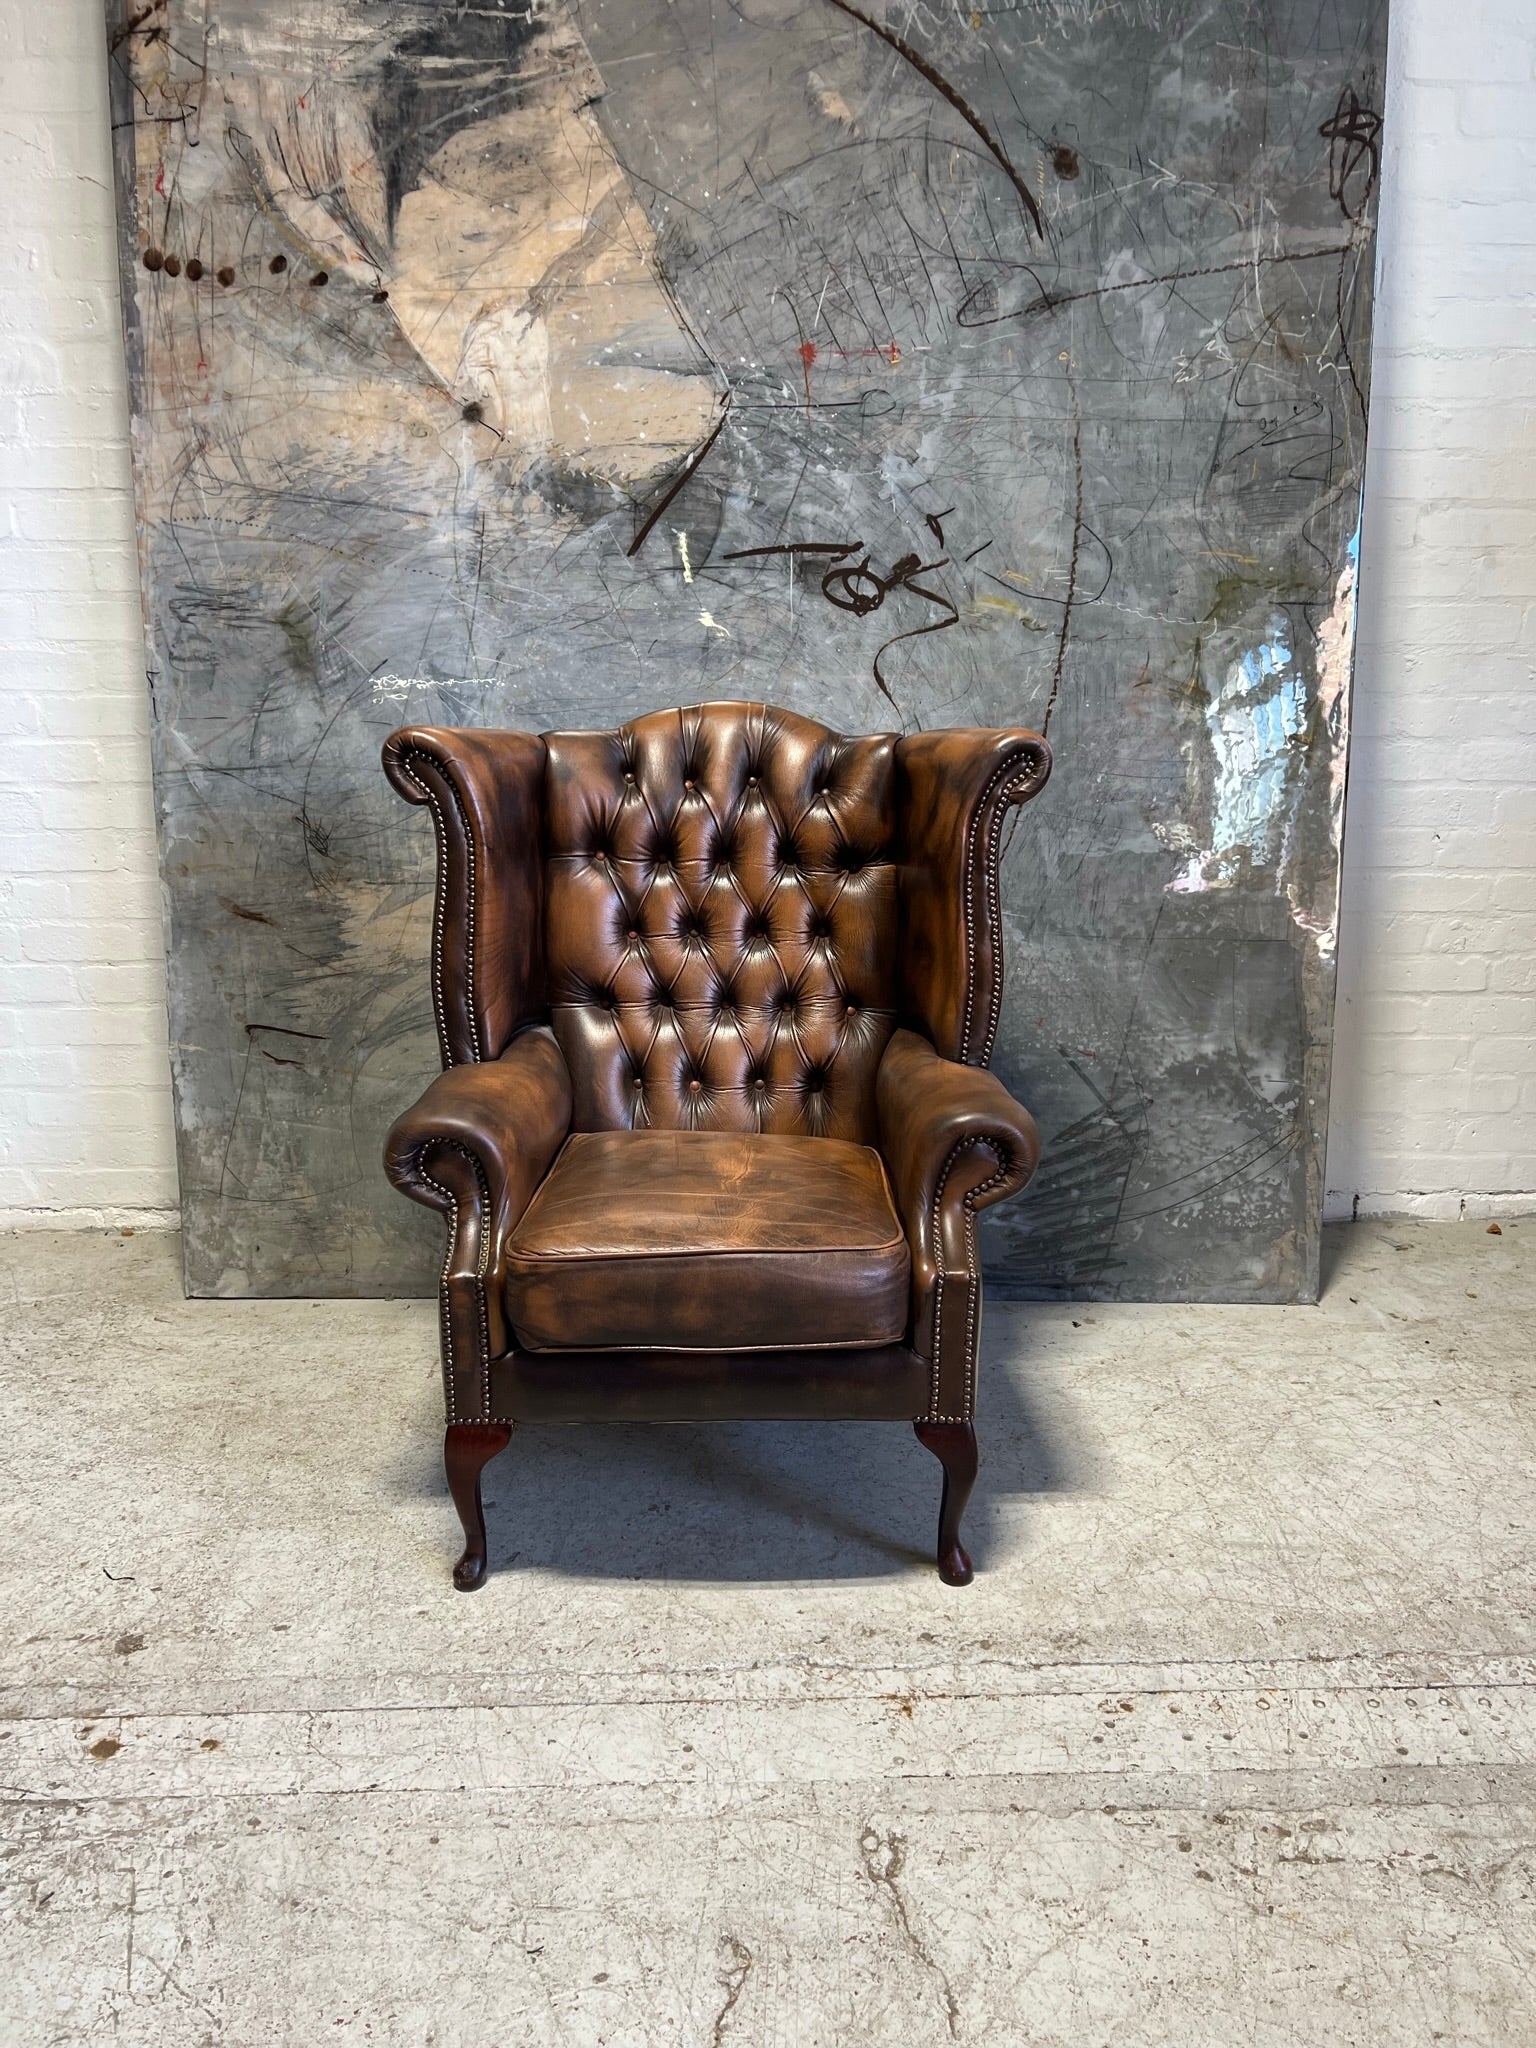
715 994
720 898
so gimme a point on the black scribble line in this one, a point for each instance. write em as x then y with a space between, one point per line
965 283
871 404
1352 132
691 465
135 23
474 610
886 320
922 259
234 1117
857 311
916 632
836 549
945 90
680 314
1077 549
1344 348
1253 1150
1016 587
1276 1146
1049 301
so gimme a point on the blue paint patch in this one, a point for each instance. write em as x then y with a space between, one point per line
1259 711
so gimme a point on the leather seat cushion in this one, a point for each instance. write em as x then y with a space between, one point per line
705 1240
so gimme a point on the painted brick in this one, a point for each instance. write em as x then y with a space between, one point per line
85 1101
1432 1104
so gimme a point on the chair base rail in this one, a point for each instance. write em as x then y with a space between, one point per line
880 1383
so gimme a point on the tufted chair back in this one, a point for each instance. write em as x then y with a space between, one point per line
720 921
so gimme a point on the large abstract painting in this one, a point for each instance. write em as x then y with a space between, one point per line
542 362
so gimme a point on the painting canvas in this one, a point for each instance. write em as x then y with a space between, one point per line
542 362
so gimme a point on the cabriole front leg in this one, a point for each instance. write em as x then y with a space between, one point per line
467 1449
954 1445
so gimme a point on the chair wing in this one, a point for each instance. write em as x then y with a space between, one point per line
486 794
954 791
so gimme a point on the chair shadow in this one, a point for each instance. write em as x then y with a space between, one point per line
763 1501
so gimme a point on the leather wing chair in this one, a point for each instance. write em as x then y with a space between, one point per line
715 995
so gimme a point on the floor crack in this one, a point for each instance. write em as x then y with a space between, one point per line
733 1978
884 1858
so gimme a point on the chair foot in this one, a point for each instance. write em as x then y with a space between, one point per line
954 1445
468 1447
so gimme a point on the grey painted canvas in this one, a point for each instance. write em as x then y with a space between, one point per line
542 363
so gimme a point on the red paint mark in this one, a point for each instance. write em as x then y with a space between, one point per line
807 358
809 354
160 181
303 103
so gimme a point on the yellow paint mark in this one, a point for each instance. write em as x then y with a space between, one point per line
1014 611
682 549
714 625
1226 555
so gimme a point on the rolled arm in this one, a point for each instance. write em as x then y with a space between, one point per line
954 1142
475 1148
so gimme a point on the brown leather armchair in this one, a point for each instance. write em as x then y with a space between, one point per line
715 995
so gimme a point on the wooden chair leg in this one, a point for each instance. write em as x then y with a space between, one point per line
468 1448
954 1445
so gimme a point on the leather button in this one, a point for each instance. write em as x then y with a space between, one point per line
695 1086
687 785
634 935
852 1010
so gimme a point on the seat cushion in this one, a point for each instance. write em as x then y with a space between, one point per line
706 1240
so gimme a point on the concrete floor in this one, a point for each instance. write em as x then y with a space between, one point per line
1231 1741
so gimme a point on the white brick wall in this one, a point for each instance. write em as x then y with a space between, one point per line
1434 1098
1434 1088
85 1110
